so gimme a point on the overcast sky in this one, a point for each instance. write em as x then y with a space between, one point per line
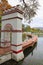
38 20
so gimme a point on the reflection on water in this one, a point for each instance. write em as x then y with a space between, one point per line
37 54
33 55
29 50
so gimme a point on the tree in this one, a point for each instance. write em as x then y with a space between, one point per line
23 27
29 7
27 29
4 5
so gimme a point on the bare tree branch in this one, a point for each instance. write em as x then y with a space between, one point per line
30 8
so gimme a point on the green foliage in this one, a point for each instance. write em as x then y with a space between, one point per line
23 36
33 30
27 29
0 17
0 21
23 27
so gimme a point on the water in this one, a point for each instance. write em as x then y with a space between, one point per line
33 56
37 56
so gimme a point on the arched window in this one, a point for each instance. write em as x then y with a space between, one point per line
8 34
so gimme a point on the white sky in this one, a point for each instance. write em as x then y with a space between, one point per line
13 2
38 20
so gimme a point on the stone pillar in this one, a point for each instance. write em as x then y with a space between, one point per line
14 17
17 42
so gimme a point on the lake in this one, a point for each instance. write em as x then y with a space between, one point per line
33 55
36 56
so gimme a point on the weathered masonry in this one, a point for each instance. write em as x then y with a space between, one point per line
11 35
